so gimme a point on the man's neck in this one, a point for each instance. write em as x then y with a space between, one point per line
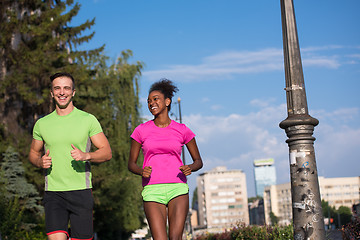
65 111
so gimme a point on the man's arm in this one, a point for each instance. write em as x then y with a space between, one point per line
102 154
35 155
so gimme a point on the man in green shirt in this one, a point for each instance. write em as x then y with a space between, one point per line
67 134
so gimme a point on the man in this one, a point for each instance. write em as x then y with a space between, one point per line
66 135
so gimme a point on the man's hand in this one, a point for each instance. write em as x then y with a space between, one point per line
185 169
79 155
45 161
146 172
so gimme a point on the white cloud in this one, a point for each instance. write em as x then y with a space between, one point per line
356 56
237 140
229 64
262 103
216 107
223 65
205 99
322 48
322 61
337 117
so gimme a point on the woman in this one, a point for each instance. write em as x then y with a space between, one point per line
166 193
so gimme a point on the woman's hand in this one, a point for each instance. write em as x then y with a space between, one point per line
185 170
146 172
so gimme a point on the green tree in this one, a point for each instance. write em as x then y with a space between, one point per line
252 199
328 211
21 204
194 203
37 41
11 215
340 216
16 184
274 219
112 96
344 213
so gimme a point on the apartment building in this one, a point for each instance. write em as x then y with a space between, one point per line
222 198
340 191
277 199
336 191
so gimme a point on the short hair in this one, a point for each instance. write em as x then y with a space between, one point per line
166 87
62 74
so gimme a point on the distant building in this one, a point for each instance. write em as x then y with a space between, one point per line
277 199
194 217
265 174
340 191
256 212
222 198
336 191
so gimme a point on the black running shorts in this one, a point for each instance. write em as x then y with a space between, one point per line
76 206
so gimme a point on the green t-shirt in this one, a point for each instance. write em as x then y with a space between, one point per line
58 133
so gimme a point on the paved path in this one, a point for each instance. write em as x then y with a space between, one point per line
334 235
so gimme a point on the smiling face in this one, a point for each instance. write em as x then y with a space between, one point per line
62 90
157 103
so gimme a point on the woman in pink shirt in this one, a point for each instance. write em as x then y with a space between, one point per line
165 193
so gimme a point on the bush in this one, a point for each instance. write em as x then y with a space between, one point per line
351 231
247 232
12 224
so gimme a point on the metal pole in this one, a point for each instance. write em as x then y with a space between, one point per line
188 216
329 216
299 126
183 151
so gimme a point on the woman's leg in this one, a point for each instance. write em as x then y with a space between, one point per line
156 217
178 209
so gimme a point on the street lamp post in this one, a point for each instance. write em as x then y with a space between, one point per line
188 225
183 151
308 219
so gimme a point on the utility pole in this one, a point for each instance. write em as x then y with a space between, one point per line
183 151
308 219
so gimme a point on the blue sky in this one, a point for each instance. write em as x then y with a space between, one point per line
226 57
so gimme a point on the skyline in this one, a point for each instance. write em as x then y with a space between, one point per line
227 60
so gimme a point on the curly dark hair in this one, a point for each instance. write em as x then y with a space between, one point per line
166 87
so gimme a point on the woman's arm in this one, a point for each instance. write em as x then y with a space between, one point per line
195 155
133 156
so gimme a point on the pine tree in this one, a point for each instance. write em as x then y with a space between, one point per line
37 41
17 189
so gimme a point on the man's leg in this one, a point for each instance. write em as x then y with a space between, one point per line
58 236
81 204
56 216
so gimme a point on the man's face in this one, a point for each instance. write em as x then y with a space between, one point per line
62 91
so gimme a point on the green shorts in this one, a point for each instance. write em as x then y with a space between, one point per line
163 193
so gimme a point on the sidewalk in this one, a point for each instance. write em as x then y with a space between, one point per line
333 234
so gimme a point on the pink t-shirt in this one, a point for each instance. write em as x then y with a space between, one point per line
162 150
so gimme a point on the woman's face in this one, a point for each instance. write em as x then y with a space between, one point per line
157 102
